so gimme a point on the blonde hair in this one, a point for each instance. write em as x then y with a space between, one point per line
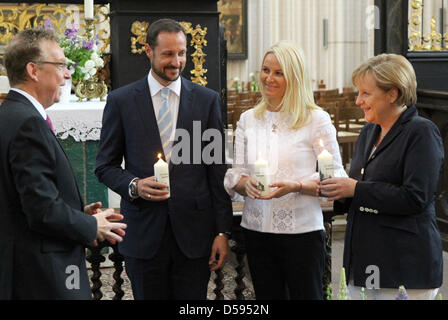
391 71
298 101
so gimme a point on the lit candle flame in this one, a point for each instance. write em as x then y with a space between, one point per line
321 143
159 156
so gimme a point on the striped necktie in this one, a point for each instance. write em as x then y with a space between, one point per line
165 123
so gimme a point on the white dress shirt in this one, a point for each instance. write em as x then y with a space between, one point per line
291 155
33 100
155 89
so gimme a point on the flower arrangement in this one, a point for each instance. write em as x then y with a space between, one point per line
253 83
343 293
236 84
402 294
82 54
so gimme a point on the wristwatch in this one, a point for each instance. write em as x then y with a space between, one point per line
226 234
133 190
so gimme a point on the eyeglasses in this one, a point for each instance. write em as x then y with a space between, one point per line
60 65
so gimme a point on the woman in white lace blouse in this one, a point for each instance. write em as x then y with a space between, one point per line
284 231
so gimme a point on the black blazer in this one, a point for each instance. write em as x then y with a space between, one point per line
43 229
391 219
198 206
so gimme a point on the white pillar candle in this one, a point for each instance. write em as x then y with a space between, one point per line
325 164
88 9
161 172
262 176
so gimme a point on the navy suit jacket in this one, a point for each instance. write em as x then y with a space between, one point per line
43 230
391 219
199 206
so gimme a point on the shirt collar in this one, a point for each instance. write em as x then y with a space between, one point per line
33 100
155 86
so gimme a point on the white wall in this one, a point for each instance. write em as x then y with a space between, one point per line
350 41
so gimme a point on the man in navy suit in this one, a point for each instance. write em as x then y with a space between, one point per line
174 237
44 224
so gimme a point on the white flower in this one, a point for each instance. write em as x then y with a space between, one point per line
251 74
94 55
89 65
98 62
92 72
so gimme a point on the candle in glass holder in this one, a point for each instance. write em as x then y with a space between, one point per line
262 176
88 9
325 164
161 172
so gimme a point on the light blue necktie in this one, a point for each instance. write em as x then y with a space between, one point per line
165 123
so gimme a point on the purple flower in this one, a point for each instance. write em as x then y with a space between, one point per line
88 44
71 33
402 294
48 25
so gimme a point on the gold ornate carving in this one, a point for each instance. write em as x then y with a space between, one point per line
17 17
90 89
198 41
433 40
415 21
139 29
428 42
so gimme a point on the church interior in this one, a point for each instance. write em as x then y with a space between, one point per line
227 40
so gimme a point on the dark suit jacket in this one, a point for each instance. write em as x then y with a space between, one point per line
199 206
42 228
391 218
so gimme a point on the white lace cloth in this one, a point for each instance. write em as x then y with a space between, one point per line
80 120
291 155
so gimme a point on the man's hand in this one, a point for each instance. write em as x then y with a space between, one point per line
220 251
338 188
111 231
93 208
151 190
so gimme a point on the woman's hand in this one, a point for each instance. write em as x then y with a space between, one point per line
250 187
310 188
247 186
283 188
338 188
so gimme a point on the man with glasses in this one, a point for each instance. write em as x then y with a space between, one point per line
44 224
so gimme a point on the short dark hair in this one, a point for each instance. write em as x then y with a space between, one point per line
24 48
162 25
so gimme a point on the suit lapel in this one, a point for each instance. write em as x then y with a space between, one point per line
184 114
370 140
15 96
396 129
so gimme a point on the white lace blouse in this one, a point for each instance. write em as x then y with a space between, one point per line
291 155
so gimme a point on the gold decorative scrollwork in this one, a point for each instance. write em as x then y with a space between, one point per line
428 42
433 40
415 22
198 41
17 17
139 29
